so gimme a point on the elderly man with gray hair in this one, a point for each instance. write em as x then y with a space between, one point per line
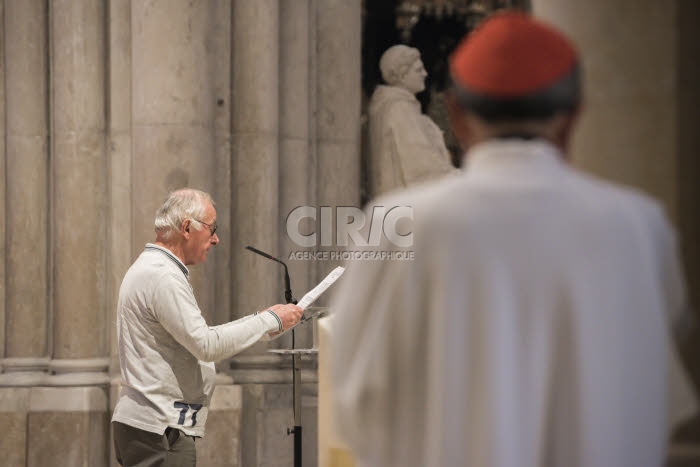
405 146
166 349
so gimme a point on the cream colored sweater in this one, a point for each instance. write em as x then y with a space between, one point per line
166 348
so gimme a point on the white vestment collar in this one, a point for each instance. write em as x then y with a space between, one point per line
513 154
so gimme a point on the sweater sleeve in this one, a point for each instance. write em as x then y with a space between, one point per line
176 309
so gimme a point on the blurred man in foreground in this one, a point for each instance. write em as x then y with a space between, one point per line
533 327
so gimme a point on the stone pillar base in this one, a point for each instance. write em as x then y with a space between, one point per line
267 414
221 444
54 426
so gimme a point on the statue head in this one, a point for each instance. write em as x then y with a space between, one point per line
401 66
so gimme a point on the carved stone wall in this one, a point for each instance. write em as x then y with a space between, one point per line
105 107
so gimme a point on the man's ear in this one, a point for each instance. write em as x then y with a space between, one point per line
564 130
185 228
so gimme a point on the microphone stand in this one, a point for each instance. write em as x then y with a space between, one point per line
296 364
287 286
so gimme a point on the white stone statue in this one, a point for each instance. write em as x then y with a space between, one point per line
406 146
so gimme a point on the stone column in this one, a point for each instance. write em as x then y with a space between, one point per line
627 130
297 180
23 63
26 61
260 184
79 248
173 108
3 212
77 421
221 446
255 154
220 63
120 142
339 97
120 160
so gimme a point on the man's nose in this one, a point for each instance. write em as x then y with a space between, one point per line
214 239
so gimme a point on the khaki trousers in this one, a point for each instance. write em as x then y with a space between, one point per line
139 448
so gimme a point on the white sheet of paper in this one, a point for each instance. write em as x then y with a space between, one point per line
317 291
311 297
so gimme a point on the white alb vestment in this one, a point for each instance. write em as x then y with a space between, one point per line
405 146
531 330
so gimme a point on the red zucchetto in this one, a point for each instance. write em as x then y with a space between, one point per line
512 55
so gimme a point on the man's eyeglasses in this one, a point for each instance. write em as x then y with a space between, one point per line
212 227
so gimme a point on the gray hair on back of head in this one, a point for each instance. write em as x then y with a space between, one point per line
186 203
396 61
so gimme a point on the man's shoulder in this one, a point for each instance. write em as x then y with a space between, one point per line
614 196
423 193
151 267
453 199
427 201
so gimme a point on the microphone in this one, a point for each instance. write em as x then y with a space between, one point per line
287 286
